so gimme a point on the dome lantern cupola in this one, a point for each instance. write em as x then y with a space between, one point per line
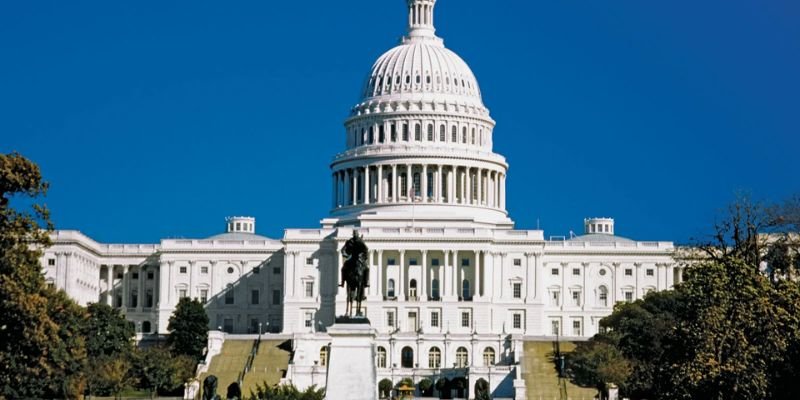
420 19
240 225
598 225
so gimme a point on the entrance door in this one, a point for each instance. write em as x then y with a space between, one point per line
227 325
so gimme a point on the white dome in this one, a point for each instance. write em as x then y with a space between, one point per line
421 66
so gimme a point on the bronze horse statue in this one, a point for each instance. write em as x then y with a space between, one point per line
355 272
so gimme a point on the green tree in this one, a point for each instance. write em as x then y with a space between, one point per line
158 371
110 376
107 332
385 388
188 329
597 363
42 351
287 392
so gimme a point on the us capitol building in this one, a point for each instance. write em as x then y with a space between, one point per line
452 283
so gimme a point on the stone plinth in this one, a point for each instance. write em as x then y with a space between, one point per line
351 363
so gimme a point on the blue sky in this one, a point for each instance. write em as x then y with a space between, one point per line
156 119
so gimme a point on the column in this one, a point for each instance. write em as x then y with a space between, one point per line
410 193
480 186
395 186
463 192
367 188
379 273
451 186
424 281
424 183
438 187
141 294
380 196
164 285
401 284
478 274
469 185
440 272
347 190
125 288
531 280
503 191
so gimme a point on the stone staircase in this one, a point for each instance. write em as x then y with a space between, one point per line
541 377
269 366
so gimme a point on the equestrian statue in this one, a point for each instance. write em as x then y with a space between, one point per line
355 273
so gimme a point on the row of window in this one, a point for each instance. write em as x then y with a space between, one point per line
204 270
371 135
436 320
230 296
602 272
577 328
407 359
602 296
377 84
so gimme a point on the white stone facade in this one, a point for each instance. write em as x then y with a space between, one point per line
454 288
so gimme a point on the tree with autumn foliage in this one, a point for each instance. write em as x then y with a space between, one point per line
42 350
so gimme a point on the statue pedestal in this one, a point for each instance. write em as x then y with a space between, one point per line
351 362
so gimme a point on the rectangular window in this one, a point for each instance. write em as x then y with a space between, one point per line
254 297
576 271
182 270
434 319
517 321
276 297
465 262
203 296
555 327
309 289
148 298
229 299
576 297
517 290
135 275
650 272
435 262
517 262
119 275
203 270
256 270
465 320
391 262
150 276
412 261
181 293
576 328
555 297
603 298
51 261
628 272
308 319
276 271
554 271
628 296
309 261
390 319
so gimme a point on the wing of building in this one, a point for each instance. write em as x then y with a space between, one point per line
452 283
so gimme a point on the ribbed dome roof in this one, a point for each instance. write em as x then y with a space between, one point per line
421 66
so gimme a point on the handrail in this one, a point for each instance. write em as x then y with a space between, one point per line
248 365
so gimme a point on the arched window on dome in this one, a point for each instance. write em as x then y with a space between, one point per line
438 80
602 296
447 80
429 189
397 80
371 137
464 135
381 134
488 357
403 186
393 132
455 81
405 132
323 356
442 134
390 187
430 133
428 79
454 139
380 358
417 132
408 79
473 135
462 357
419 80
417 192
434 358
363 136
